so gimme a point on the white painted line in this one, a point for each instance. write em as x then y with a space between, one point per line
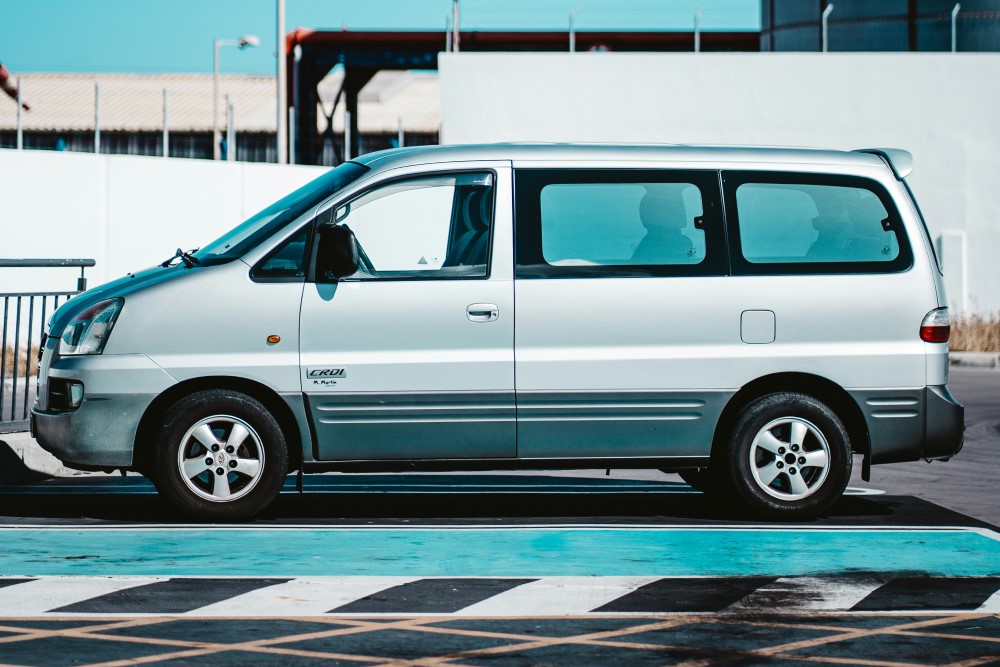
991 606
769 528
307 596
34 598
557 596
863 491
809 594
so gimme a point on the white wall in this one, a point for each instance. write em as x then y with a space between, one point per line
125 212
944 108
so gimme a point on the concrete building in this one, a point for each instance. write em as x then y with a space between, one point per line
131 112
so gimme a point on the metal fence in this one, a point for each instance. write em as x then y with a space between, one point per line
24 317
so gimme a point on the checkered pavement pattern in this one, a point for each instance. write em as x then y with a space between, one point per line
487 596
691 640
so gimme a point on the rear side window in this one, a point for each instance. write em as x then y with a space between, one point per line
617 222
621 223
792 223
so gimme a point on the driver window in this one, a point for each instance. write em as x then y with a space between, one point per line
432 227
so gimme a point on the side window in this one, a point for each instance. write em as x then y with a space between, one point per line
583 222
786 222
430 227
288 261
621 224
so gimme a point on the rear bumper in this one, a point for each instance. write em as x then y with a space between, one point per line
945 424
912 424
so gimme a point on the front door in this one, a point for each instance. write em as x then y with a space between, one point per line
413 356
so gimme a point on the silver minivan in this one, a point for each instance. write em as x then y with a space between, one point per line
748 317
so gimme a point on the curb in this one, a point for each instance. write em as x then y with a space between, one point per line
975 360
22 460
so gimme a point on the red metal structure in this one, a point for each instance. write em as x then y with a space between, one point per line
363 54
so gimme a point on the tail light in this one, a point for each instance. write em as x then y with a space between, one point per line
936 327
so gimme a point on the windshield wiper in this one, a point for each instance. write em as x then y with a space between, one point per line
186 257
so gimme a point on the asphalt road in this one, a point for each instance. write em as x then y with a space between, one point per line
968 483
513 569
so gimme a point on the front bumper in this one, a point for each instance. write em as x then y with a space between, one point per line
101 432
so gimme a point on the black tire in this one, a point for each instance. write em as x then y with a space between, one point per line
789 456
205 475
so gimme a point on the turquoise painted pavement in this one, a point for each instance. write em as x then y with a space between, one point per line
494 552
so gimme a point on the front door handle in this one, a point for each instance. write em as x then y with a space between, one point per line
482 312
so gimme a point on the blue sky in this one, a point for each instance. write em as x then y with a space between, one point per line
177 35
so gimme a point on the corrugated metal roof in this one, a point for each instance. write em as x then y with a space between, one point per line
134 102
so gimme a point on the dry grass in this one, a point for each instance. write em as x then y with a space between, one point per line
23 359
975 333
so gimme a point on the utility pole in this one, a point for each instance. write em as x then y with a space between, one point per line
97 118
697 29
166 130
282 127
572 29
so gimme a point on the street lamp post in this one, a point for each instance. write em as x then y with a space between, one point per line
826 26
572 29
243 42
697 29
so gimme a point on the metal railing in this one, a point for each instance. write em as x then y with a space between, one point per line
24 318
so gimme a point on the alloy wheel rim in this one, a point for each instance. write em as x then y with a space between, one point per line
221 458
789 458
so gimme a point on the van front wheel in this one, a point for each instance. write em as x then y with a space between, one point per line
220 455
789 456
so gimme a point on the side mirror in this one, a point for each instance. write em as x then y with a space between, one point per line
336 254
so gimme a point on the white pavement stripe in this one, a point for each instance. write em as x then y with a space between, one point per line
557 596
809 594
992 604
36 597
307 596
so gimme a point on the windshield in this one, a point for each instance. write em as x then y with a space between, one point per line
243 238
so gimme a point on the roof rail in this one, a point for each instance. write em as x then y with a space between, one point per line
899 160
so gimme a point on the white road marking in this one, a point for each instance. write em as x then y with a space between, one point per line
36 597
809 594
557 596
992 604
417 527
306 596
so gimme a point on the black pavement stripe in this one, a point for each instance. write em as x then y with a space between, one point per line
430 596
174 596
916 593
687 594
11 582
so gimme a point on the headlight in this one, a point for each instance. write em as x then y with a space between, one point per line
89 329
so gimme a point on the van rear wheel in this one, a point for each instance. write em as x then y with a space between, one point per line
789 456
220 455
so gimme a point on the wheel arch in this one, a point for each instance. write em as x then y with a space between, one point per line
820 388
143 445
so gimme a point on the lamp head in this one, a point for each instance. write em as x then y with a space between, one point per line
249 40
